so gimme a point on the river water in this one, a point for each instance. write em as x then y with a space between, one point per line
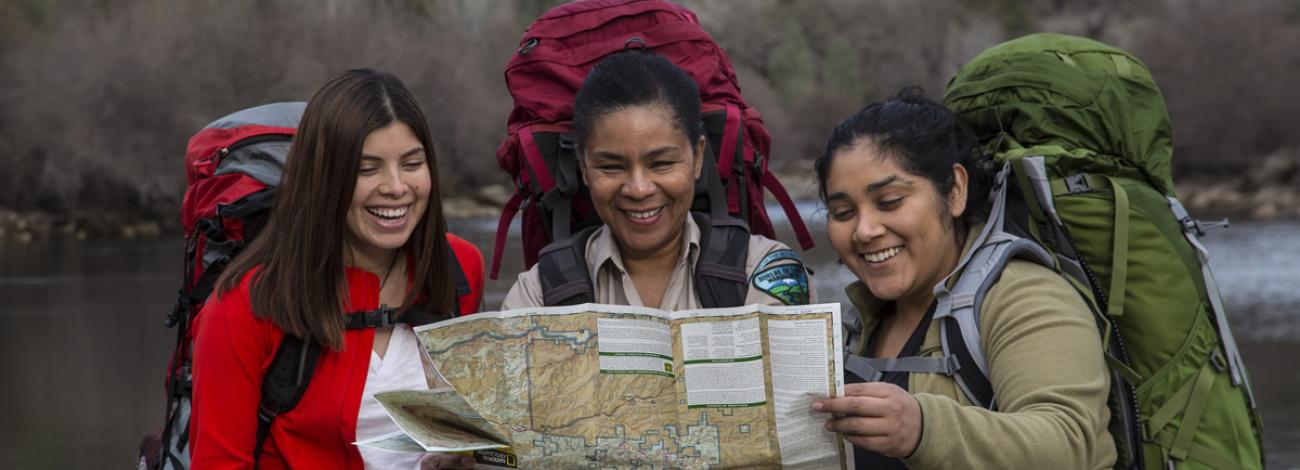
84 351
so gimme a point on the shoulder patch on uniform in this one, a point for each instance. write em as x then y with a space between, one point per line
787 283
778 255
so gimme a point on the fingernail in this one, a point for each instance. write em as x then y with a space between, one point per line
817 406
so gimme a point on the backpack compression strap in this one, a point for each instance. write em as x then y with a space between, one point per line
1192 231
726 156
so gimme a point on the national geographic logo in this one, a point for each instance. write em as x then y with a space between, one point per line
499 458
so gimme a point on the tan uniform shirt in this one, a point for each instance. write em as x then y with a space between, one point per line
614 286
1047 371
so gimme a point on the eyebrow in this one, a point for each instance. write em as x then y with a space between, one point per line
402 156
617 156
871 188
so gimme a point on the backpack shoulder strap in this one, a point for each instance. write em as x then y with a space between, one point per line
284 383
958 308
719 270
461 281
720 277
562 268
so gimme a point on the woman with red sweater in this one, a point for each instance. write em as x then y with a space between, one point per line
357 224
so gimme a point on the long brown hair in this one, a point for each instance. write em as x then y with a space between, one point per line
299 257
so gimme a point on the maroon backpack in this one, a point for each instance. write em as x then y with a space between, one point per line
546 72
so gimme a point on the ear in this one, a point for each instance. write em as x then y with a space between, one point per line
700 148
959 193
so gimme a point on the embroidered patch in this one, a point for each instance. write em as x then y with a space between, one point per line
778 255
787 282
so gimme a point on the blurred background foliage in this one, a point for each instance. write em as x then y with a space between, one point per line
98 97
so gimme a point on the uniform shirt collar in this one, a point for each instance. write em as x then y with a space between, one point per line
603 249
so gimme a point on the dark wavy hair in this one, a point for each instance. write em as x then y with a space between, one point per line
299 282
925 138
636 77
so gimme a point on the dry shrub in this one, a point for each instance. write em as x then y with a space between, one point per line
1228 72
99 98
101 105
827 60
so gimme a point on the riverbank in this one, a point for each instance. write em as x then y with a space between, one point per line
1269 191
34 226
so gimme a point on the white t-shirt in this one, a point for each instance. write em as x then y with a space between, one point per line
399 369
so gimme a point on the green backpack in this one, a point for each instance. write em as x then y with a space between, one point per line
1082 132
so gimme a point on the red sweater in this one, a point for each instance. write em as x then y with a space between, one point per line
231 354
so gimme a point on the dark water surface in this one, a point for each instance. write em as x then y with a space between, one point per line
84 350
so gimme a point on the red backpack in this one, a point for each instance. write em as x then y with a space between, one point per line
232 169
553 58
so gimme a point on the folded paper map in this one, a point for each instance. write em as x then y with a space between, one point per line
603 386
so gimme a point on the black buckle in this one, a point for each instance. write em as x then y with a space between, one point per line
1077 184
1205 226
1217 361
568 141
182 304
212 228
528 46
180 383
265 414
1201 227
381 317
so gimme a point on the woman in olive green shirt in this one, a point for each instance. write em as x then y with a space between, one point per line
905 192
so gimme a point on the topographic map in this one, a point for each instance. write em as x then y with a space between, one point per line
598 386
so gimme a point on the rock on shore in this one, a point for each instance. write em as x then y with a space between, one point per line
1270 190
27 227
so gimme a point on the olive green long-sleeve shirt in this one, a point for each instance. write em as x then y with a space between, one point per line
1047 370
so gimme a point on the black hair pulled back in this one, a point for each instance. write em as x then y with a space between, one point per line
925 138
636 77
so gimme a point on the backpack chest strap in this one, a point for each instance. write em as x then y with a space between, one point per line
871 369
386 316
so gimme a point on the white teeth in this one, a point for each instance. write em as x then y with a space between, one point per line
644 215
882 255
388 213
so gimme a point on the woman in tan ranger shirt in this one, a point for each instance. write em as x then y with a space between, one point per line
640 149
905 195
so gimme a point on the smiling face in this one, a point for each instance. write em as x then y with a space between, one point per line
893 229
391 196
641 172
